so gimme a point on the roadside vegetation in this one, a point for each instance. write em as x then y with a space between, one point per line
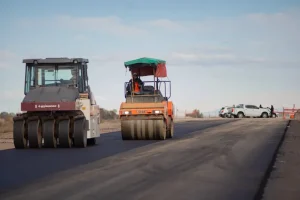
6 122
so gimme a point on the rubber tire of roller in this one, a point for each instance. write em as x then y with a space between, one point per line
48 132
80 133
35 134
20 142
64 134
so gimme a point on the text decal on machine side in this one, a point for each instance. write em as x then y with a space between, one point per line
141 111
47 106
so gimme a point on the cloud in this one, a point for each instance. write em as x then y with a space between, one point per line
205 59
255 22
119 57
100 98
258 39
8 59
166 24
80 37
110 24
269 33
9 95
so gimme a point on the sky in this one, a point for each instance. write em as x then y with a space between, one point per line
218 52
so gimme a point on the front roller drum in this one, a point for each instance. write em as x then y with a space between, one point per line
143 129
136 130
50 141
35 133
160 129
19 135
127 129
80 133
64 137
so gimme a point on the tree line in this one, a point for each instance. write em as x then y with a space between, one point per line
195 114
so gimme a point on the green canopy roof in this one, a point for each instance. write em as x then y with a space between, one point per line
144 60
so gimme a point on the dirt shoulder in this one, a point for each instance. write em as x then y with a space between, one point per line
285 177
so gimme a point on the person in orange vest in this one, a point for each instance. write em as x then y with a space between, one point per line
137 83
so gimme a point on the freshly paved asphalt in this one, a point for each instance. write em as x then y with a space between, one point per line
284 180
223 159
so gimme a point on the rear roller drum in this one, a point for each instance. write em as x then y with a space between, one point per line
19 135
65 140
50 140
80 133
35 134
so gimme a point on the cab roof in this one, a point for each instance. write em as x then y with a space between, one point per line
147 66
62 60
144 60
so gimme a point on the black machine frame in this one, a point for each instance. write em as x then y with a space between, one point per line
156 91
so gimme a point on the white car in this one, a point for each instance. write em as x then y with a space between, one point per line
225 112
246 110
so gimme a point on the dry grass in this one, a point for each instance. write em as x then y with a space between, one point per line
6 125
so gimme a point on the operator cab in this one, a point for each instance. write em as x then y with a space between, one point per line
56 72
150 91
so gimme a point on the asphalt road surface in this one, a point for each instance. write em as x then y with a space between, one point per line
223 159
285 178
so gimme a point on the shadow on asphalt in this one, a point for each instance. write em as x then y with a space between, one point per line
19 167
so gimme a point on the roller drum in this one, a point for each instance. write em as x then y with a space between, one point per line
143 129
160 130
127 127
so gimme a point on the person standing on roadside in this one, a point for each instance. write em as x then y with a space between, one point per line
272 111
